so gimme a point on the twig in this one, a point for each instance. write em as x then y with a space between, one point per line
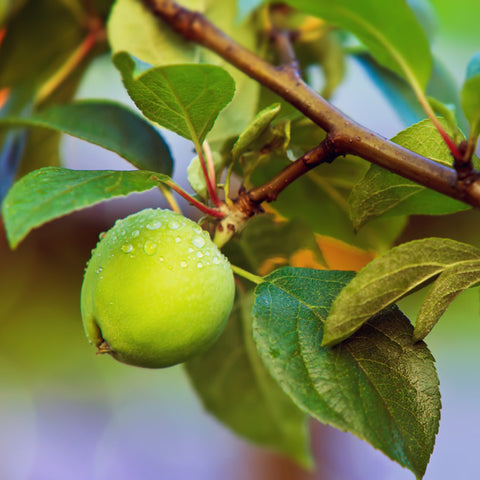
346 136
268 192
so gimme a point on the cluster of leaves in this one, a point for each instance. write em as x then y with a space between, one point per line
278 365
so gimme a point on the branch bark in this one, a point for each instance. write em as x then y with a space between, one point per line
345 135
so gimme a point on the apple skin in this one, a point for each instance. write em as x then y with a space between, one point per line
156 290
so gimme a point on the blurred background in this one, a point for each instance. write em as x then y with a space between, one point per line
66 414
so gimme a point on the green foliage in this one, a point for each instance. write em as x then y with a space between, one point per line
381 192
51 192
276 363
378 385
397 273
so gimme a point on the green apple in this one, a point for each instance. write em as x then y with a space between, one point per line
156 291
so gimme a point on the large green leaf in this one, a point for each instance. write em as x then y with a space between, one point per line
109 125
388 29
52 192
400 271
471 95
235 387
378 385
183 98
381 192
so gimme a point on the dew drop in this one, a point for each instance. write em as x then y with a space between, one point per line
199 242
155 225
199 265
183 264
161 259
215 260
190 250
99 270
178 239
150 247
135 233
173 225
127 248
199 254
102 235
197 229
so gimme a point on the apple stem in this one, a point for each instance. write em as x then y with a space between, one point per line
247 275
172 202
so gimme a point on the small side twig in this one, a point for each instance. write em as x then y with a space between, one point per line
323 153
282 41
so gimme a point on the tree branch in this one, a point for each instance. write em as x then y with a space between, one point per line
346 136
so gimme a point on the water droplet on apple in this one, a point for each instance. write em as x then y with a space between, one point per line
127 248
199 242
150 247
155 225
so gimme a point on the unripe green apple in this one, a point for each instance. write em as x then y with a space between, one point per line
156 291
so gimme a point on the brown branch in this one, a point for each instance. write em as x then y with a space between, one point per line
268 192
345 135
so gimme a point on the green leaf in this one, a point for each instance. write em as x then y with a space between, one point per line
381 192
388 29
269 146
256 128
52 192
386 279
471 95
183 98
446 288
109 125
378 385
236 388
